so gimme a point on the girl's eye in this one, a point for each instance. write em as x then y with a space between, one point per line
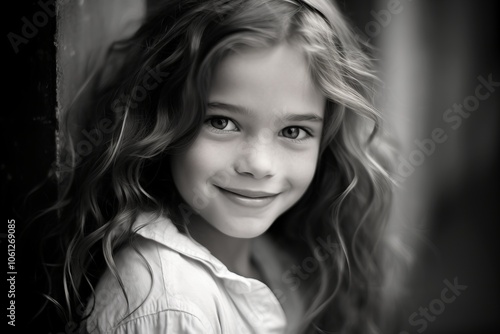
222 123
295 133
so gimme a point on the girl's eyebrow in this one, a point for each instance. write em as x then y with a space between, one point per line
242 110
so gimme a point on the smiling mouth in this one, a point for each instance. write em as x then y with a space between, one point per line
249 193
248 198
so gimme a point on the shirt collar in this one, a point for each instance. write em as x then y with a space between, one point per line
162 230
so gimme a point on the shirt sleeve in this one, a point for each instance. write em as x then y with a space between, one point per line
168 321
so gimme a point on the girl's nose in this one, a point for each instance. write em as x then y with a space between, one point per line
256 160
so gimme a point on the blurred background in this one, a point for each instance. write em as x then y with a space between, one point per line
440 64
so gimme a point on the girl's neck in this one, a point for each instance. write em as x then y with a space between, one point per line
234 253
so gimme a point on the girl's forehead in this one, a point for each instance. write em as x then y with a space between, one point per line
275 78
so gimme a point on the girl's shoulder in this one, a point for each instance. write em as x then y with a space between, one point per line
154 281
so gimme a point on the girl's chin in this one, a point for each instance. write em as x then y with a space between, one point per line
245 229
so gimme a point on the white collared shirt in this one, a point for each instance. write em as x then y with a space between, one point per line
185 290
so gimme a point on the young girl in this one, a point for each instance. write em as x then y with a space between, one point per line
239 183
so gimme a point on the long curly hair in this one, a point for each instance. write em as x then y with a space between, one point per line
147 102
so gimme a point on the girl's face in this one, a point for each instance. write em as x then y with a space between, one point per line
257 151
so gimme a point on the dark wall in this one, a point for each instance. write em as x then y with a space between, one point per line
28 123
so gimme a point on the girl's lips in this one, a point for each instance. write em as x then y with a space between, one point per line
249 193
248 198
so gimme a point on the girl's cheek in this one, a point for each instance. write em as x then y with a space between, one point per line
302 165
207 154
